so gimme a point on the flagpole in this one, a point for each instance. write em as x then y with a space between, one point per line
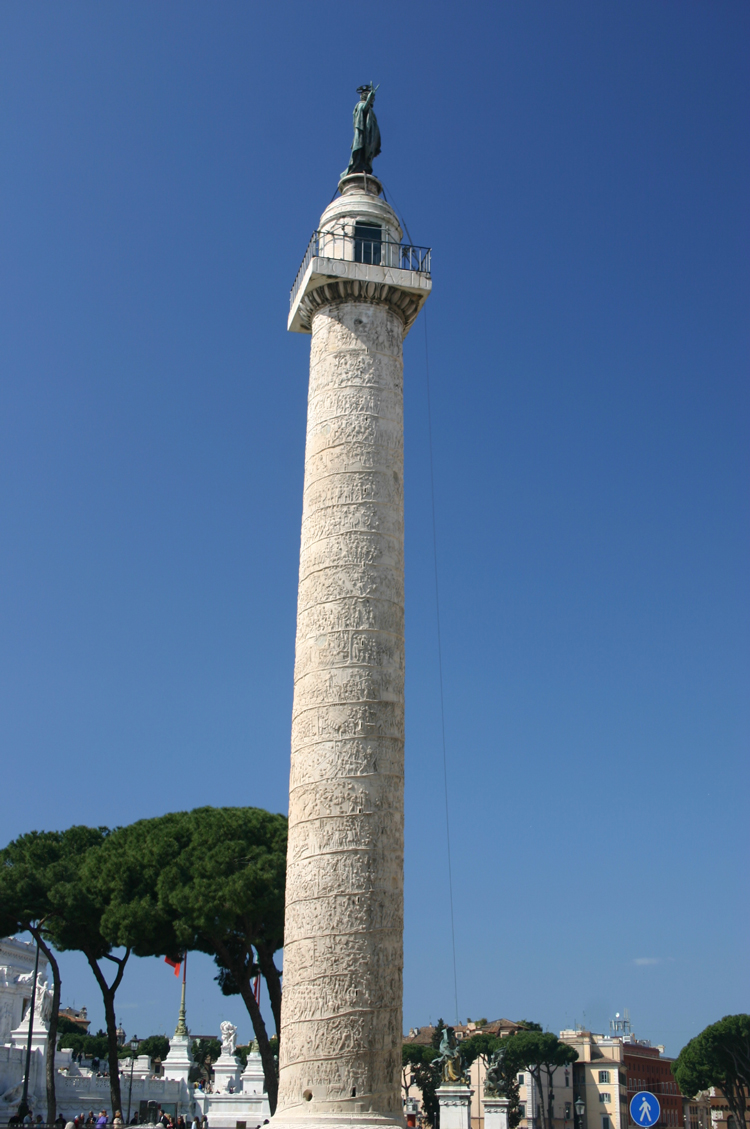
181 1028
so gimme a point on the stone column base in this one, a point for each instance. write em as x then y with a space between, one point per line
455 1106
354 1119
496 1113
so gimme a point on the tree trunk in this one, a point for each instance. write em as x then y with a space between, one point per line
550 1098
536 1075
108 996
242 980
272 977
52 1035
735 1095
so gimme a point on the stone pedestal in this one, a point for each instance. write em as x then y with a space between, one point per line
252 1078
227 1074
455 1106
495 1113
178 1062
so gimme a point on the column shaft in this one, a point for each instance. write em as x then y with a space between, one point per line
343 958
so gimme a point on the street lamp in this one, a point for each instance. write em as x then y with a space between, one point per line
134 1044
580 1108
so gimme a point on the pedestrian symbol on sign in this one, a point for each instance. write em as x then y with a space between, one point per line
644 1109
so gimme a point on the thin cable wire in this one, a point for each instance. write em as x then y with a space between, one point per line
400 215
440 666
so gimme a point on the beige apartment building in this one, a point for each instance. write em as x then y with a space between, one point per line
600 1079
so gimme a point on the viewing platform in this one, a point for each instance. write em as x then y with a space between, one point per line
359 254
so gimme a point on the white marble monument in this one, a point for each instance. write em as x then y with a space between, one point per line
227 1067
455 1105
357 294
495 1113
16 977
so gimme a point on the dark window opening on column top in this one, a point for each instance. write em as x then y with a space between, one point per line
367 240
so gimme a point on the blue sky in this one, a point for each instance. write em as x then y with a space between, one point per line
581 171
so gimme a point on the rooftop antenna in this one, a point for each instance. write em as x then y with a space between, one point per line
619 1027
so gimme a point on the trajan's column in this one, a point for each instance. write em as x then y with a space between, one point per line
357 294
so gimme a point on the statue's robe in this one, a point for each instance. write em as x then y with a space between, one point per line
366 143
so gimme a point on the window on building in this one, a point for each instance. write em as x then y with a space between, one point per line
522 1109
367 241
521 1079
604 1076
605 1099
567 1079
606 1123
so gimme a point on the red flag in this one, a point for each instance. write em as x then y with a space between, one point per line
256 989
174 963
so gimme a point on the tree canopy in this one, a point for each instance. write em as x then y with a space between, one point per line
482 1046
542 1054
210 879
417 1070
36 871
719 1056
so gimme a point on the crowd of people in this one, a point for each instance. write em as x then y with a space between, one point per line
102 1121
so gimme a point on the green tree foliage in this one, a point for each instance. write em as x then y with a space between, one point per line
719 1056
32 869
205 1053
542 1054
155 1046
417 1070
78 898
211 879
483 1046
90 1046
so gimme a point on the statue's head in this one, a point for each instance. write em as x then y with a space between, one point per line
363 91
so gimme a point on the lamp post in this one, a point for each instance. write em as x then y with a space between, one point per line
580 1108
134 1044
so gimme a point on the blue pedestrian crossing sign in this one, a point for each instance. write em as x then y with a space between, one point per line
644 1109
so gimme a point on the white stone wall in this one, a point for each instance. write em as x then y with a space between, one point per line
341 1012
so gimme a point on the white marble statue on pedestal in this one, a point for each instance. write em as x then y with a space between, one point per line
227 1067
16 975
228 1038
42 1002
253 1080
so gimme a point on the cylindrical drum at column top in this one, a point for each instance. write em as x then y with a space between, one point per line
341 1013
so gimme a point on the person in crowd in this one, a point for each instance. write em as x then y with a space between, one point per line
102 1120
204 1122
60 1121
117 1122
91 1119
196 1122
180 1124
29 1118
70 1125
